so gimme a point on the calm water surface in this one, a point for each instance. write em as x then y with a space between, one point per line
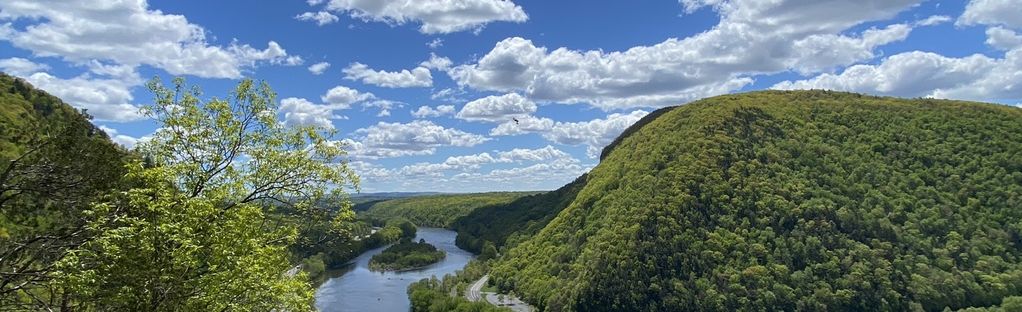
362 290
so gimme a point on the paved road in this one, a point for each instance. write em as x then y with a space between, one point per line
293 271
474 292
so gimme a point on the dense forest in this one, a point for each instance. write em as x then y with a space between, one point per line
799 200
363 201
446 294
176 224
484 230
487 228
804 200
406 254
317 253
53 164
435 210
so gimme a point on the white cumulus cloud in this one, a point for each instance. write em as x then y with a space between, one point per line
497 108
525 124
530 169
992 12
594 134
1002 38
321 18
753 37
434 16
21 67
419 137
319 68
104 91
417 77
925 74
127 141
342 97
426 111
298 111
128 33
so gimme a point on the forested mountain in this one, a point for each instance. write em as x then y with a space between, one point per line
804 200
53 164
507 224
434 210
363 201
495 225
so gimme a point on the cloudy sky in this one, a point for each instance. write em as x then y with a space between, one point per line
424 92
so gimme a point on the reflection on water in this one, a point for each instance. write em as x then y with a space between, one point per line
359 289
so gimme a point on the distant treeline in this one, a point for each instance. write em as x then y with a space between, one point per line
434 210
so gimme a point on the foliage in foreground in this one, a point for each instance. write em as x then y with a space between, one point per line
405 255
437 210
192 232
53 164
806 200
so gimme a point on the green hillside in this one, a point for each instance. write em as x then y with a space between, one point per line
28 114
505 224
508 224
53 164
435 210
804 200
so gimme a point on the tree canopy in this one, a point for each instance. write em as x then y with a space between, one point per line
804 200
53 164
193 231
436 210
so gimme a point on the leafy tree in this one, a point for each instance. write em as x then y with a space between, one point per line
53 164
193 231
488 251
445 295
406 254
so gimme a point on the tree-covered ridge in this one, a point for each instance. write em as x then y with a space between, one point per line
28 114
437 210
406 254
53 164
505 224
805 200
198 229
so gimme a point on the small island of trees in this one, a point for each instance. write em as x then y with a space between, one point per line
406 255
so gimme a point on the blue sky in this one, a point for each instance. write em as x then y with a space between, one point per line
425 92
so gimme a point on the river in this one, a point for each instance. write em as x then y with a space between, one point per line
359 289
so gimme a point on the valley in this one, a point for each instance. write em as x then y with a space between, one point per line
779 200
355 287
767 200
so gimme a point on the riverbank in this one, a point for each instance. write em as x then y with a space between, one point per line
359 289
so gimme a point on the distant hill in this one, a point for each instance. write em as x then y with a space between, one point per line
363 201
506 224
797 200
434 210
391 194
